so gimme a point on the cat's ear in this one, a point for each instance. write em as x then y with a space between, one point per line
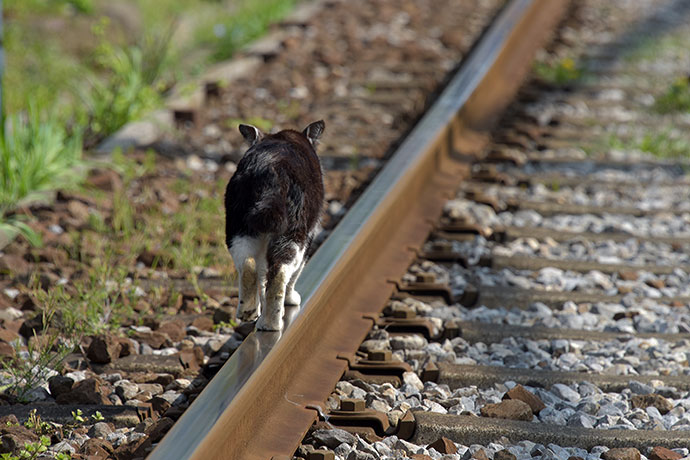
314 131
251 134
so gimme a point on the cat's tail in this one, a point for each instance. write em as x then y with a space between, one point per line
269 214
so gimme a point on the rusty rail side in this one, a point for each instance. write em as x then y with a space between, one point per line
261 402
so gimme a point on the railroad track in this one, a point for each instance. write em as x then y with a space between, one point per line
545 313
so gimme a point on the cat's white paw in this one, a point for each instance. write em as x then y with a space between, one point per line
268 323
292 298
246 314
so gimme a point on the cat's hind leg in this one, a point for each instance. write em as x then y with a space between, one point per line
282 263
244 252
292 297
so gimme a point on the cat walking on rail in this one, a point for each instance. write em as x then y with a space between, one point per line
272 207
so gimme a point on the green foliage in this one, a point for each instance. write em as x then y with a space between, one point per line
660 144
225 325
99 303
98 417
128 85
676 98
650 47
248 21
559 72
32 450
49 6
14 225
36 424
77 416
37 154
32 368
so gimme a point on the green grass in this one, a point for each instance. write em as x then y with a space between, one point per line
52 54
246 22
129 83
37 154
659 144
676 98
31 368
558 72
652 48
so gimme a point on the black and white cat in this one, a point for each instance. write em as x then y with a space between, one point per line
272 207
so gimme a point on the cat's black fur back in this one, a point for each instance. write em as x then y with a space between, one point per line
277 189
273 203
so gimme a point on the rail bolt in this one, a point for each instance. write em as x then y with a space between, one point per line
426 277
380 355
352 405
321 455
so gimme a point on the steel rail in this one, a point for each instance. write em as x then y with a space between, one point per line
263 400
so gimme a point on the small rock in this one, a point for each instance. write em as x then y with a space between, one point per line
656 283
178 384
98 448
621 453
175 399
519 393
144 425
640 388
565 392
153 388
13 437
443 446
100 430
662 404
628 275
158 429
480 454
126 390
87 391
154 339
159 405
37 394
137 447
104 349
411 378
203 323
64 446
512 409
504 454
332 438
174 330
6 350
77 376
420 457
8 336
407 342
59 384
662 453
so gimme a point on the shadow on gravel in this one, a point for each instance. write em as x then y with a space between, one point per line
672 14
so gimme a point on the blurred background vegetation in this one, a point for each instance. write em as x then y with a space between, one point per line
78 70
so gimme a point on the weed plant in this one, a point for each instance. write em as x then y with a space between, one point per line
558 72
129 83
676 98
248 21
32 367
37 154
659 144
